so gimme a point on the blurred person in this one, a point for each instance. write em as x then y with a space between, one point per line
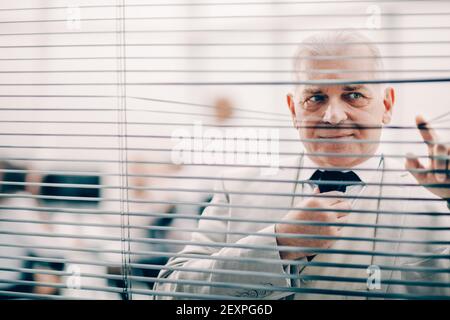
15 232
150 206
338 176
78 219
43 191
201 177
223 110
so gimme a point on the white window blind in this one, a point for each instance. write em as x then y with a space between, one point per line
146 152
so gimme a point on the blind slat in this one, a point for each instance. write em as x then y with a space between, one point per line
154 68
232 285
301 263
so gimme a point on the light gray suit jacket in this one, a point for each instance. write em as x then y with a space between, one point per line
227 262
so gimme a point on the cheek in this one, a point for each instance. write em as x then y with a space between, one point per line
307 124
368 119
307 132
373 113
373 134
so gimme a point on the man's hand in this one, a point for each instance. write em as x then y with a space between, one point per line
326 215
438 160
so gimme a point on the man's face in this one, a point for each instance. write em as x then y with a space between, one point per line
341 112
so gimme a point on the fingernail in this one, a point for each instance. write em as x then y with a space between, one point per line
422 122
410 156
422 125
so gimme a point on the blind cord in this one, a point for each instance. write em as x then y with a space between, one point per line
123 155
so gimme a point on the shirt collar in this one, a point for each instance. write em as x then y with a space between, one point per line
309 167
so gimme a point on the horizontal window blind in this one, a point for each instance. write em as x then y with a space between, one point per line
147 150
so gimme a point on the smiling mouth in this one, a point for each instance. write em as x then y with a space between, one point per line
337 137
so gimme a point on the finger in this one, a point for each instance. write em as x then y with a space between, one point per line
342 219
345 206
428 134
440 162
412 163
332 197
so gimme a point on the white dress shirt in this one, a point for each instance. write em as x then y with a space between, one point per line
308 167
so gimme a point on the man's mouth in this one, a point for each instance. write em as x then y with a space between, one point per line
340 136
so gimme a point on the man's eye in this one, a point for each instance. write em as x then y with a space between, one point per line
316 98
355 95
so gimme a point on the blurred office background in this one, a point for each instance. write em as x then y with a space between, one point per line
63 115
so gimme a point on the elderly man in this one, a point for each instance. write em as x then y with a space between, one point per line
341 220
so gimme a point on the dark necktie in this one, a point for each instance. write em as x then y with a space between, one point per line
333 181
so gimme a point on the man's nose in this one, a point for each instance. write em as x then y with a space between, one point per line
334 114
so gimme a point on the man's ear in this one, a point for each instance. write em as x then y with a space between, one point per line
291 106
290 102
388 101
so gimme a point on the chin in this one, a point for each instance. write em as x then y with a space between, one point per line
339 148
338 161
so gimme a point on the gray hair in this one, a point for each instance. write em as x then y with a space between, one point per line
334 43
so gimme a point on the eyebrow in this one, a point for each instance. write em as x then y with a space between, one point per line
312 90
350 87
